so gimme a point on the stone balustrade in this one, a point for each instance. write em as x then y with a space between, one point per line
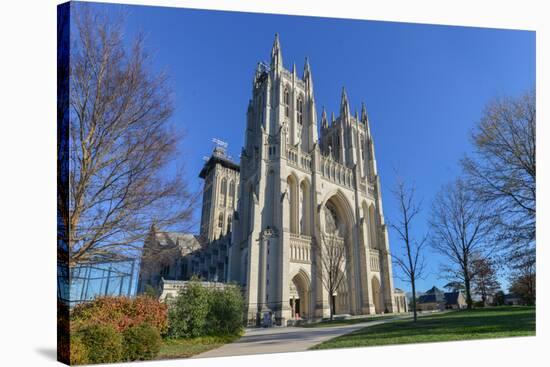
300 248
336 172
298 159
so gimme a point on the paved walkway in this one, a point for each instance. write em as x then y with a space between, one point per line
284 339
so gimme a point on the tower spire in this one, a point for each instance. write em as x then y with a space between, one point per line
308 79
344 104
324 122
307 69
276 55
364 116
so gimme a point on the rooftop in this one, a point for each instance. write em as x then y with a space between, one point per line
218 157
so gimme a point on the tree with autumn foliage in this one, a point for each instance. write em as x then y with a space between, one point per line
484 281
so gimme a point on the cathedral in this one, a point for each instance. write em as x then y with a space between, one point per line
298 190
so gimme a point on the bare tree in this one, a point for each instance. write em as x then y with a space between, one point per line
484 282
502 171
120 144
412 263
332 256
460 230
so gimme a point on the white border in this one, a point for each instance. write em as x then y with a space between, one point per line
27 183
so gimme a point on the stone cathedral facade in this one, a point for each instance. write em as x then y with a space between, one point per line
299 182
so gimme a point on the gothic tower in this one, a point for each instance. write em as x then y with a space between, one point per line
296 190
220 194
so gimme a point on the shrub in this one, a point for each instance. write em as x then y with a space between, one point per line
121 313
102 342
78 353
188 311
226 311
150 291
142 342
199 311
479 304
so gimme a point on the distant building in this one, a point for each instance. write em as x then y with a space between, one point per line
435 299
512 299
432 300
455 300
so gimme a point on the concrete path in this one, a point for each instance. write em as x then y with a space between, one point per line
284 339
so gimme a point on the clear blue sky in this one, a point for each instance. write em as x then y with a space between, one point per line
424 85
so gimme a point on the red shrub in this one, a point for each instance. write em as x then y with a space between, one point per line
121 313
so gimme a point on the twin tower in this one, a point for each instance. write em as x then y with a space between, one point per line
299 185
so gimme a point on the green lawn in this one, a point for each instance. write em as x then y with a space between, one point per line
328 323
184 348
494 322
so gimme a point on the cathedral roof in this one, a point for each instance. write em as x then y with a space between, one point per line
186 242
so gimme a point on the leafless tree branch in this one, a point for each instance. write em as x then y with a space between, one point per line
120 145
502 170
412 263
331 253
461 229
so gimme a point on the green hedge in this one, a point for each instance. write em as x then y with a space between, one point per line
201 310
78 351
226 311
187 313
103 344
141 342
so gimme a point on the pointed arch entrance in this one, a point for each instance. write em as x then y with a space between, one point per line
337 220
300 296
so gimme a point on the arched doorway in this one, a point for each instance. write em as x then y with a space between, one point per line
300 296
336 254
376 295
